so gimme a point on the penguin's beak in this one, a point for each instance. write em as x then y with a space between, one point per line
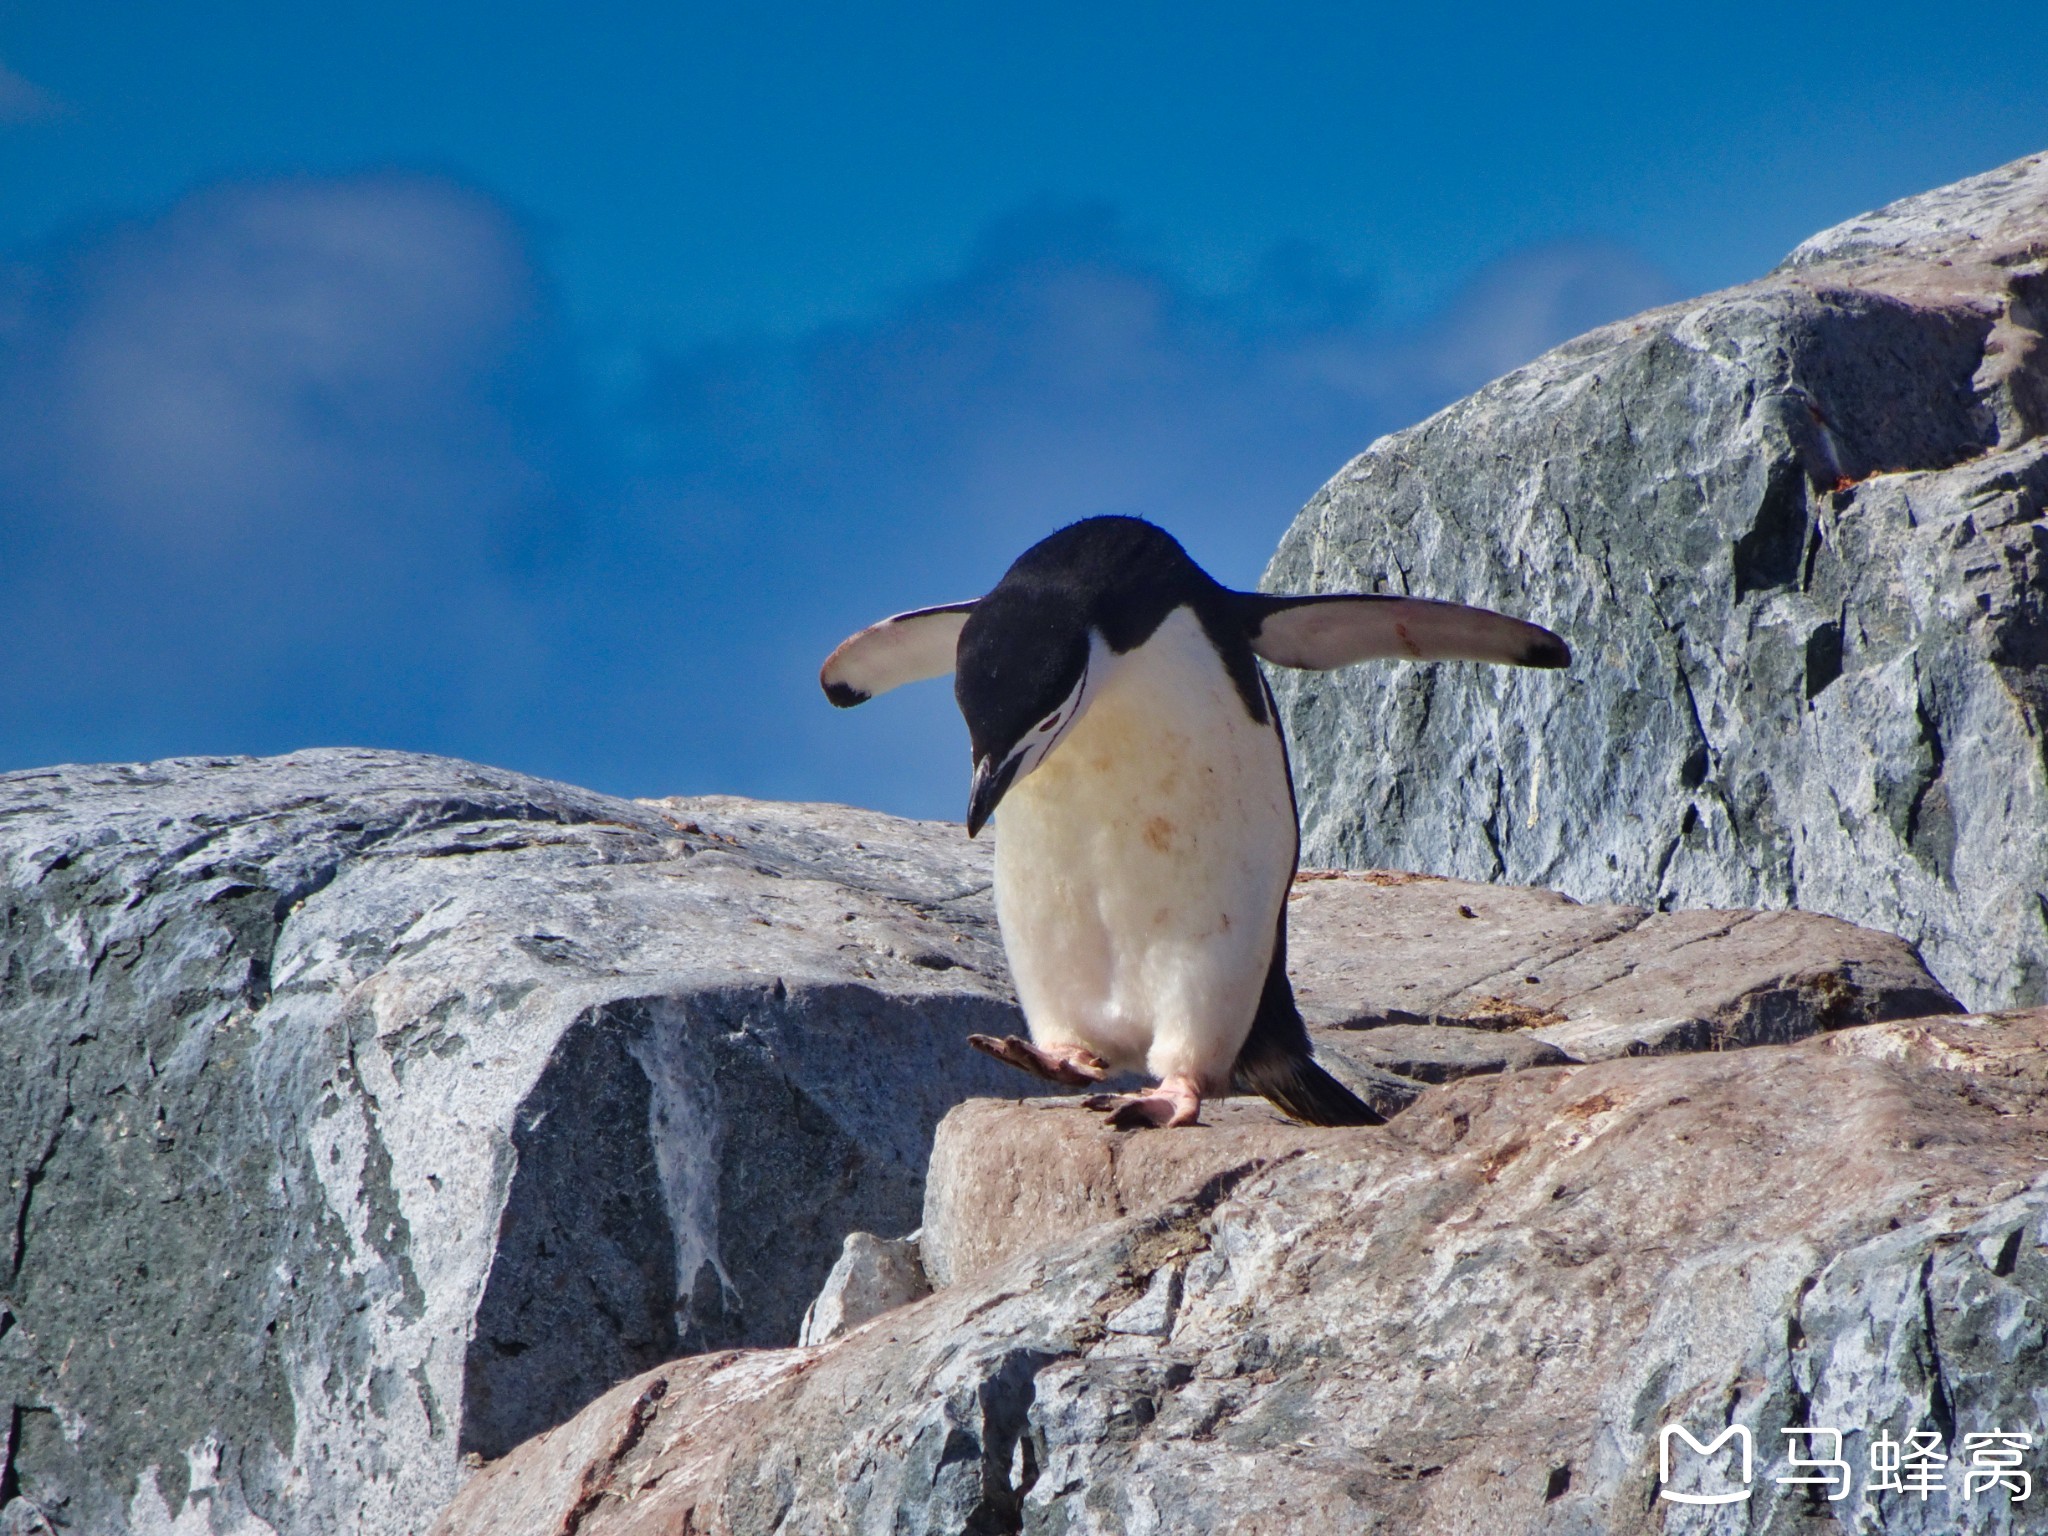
992 781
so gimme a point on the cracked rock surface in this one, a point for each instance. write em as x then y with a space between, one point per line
375 1110
1476 1319
1374 953
1795 534
365 1110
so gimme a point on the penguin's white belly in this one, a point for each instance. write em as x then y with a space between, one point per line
1141 868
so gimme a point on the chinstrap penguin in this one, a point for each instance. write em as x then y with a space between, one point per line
1149 834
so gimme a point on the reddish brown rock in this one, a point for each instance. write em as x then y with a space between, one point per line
1596 981
1009 1177
1474 1320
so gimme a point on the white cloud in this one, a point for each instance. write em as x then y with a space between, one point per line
303 461
274 463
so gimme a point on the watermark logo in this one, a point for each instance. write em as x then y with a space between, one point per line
1737 1432
1916 1467
1995 1462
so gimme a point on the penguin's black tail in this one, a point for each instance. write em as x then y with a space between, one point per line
1277 1064
1297 1086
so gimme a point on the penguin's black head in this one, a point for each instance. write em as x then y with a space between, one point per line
1035 647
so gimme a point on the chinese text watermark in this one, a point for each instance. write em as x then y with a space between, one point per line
1722 1470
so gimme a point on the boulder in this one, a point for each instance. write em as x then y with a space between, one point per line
1795 534
1378 948
1479 1318
376 1111
874 1275
368 1111
1500 978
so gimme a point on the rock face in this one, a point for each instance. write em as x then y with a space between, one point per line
1795 533
374 1110
1476 1319
364 1110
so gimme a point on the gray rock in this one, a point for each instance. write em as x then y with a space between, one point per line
874 1275
1152 1313
366 1110
1373 948
1795 532
1480 1317
1437 1053
377 1110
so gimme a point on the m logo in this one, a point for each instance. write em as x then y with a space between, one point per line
1739 1433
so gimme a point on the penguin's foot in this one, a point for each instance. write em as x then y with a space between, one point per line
1176 1101
1070 1065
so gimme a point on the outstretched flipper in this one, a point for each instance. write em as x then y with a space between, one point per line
903 648
1335 630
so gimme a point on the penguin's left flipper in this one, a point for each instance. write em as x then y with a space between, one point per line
1337 629
903 648
1069 1066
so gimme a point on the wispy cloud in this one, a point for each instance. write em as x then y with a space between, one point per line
306 461
23 101
277 464
1059 374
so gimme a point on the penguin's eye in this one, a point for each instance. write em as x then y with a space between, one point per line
1047 725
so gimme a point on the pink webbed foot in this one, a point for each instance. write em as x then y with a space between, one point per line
1069 1065
1176 1101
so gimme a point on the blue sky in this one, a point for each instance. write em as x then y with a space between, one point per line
553 385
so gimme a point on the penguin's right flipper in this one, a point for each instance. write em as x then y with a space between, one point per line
1337 629
903 648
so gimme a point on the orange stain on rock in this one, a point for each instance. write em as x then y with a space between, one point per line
1159 833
